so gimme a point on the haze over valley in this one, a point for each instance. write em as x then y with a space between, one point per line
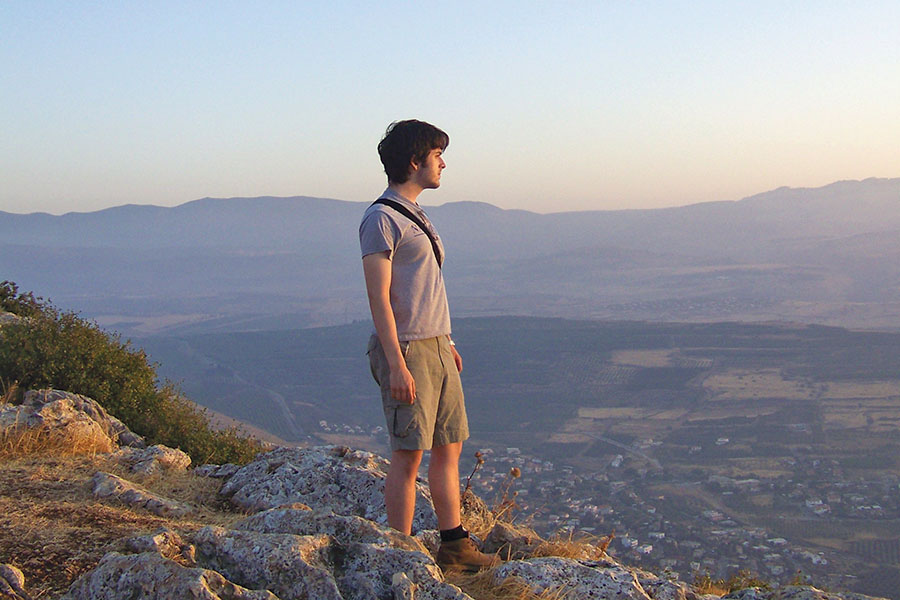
829 255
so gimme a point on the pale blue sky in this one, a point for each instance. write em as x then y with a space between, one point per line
549 105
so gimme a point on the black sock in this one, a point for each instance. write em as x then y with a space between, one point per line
457 533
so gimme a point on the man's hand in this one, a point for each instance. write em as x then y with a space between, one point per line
456 358
403 386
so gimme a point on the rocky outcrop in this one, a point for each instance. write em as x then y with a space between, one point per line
150 460
659 588
343 529
793 592
217 471
12 583
340 556
226 563
291 566
78 417
107 485
348 482
579 579
167 543
511 541
150 576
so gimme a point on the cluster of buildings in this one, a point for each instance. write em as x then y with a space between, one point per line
706 526
666 532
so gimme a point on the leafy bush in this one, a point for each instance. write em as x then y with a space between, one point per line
54 349
24 305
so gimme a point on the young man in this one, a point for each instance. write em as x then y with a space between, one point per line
411 354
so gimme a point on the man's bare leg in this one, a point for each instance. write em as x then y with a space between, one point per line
400 489
443 479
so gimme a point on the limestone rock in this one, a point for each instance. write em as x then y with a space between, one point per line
12 583
475 513
402 587
152 459
167 543
580 579
794 592
59 417
431 590
217 471
751 593
322 566
806 592
150 576
511 541
663 589
368 572
343 529
78 415
431 539
347 482
292 566
107 485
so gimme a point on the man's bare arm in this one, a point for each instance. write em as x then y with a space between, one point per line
377 270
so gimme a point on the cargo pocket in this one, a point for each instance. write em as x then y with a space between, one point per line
373 341
402 420
373 351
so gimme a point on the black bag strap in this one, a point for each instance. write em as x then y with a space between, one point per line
415 219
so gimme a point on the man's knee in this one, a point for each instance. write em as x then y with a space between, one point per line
406 462
448 453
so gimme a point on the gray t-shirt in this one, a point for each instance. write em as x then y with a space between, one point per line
418 298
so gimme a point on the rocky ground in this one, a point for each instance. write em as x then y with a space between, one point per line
87 511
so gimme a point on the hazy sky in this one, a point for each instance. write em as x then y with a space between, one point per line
549 105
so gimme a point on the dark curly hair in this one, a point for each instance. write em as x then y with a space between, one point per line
405 141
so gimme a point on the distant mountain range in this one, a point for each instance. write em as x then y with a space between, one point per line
829 255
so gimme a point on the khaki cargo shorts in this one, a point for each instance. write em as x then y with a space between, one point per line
437 417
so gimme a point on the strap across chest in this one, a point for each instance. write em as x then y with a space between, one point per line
415 219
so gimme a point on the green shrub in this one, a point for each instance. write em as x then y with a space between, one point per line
54 349
24 305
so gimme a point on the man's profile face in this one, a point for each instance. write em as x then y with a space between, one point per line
427 174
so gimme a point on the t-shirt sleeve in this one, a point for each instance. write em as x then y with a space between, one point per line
378 233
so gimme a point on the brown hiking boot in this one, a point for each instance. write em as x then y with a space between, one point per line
463 555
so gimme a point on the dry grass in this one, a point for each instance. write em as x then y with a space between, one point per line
704 584
8 391
481 586
17 442
53 528
582 547
707 585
